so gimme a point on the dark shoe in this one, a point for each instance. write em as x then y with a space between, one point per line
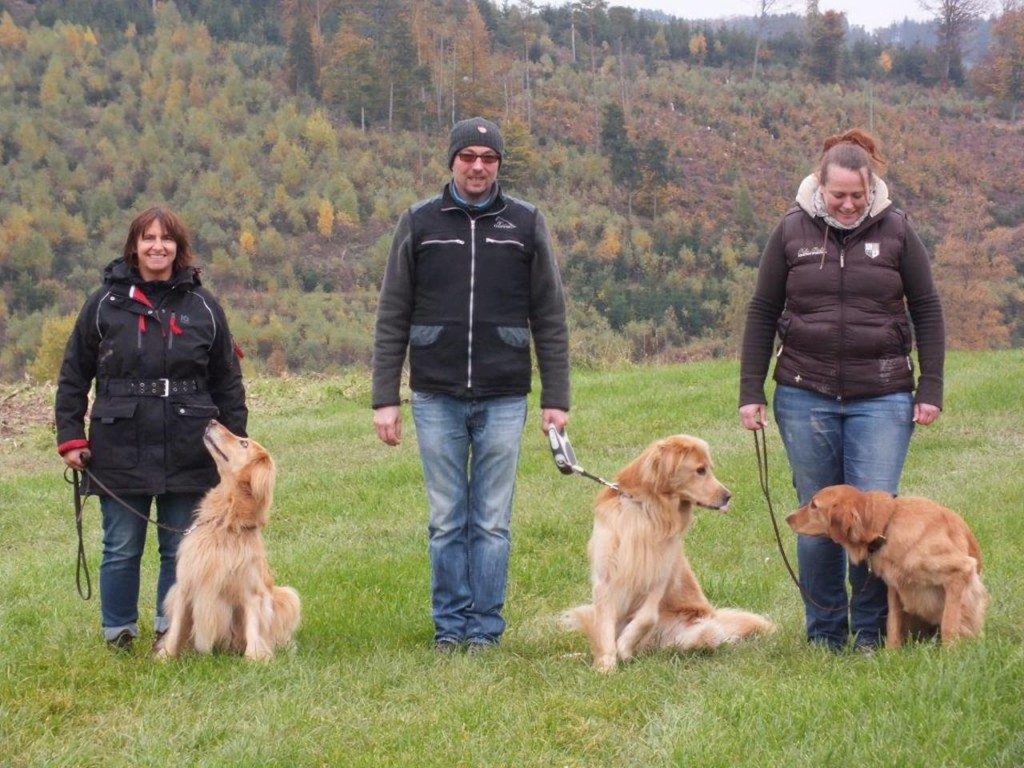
478 647
122 642
446 646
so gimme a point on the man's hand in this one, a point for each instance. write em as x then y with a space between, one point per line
553 417
387 420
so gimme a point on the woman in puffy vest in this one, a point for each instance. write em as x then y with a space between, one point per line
157 345
837 279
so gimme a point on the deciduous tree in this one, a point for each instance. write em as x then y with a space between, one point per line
954 19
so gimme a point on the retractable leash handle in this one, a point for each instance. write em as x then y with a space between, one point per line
561 450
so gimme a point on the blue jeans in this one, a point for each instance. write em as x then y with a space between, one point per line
862 443
124 540
470 452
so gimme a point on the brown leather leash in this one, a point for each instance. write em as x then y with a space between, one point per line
761 448
82 564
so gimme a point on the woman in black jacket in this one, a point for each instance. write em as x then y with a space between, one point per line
158 347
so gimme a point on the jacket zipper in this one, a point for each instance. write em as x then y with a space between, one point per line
472 284
472 296
842 315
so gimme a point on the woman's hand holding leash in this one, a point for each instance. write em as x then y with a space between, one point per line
754 416
77 458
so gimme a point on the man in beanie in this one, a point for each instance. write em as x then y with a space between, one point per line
471 276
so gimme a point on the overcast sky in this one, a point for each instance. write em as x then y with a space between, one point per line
869 14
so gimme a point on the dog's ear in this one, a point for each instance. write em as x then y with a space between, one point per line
665 465
262 480
845 524
256 485
645 470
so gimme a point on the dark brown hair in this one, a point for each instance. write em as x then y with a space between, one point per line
854 150
172 225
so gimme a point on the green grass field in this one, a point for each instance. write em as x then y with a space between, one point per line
364 688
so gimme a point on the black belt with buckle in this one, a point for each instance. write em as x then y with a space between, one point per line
148 387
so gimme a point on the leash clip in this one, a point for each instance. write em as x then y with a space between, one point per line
565 458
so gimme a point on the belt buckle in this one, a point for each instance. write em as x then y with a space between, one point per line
167 387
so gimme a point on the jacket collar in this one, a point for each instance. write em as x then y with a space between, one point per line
449 201
118 274
808 198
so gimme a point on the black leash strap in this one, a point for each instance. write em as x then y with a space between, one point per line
761 448
82 565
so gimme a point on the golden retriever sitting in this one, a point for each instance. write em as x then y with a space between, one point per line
224 596
645 594
926 555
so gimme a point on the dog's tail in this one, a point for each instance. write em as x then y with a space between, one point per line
739 624
720 627
578 619
287 614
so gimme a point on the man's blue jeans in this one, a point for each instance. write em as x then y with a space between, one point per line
862 443
124 540
470 453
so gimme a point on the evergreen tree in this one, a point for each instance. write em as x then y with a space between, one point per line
302 59
826 33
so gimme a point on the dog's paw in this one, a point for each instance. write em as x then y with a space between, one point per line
605 662
259 654
624 650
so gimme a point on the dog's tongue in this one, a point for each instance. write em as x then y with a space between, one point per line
724 507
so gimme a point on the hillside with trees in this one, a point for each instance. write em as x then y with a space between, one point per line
290 134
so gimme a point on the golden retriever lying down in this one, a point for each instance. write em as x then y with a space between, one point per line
925 554
645 595
224 596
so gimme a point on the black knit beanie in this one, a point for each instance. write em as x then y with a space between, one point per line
474 132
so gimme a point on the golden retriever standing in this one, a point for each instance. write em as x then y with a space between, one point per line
645 595
224 595
926 555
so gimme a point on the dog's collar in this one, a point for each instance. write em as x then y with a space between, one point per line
879 541
875 545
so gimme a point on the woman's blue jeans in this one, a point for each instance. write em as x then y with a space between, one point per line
124 540
470 452
862 443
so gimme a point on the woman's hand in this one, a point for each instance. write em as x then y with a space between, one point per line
77 458
925 414
754 416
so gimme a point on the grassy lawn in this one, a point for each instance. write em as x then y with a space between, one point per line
363 687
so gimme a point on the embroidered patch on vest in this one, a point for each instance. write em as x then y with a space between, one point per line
872 250
500 223
805 252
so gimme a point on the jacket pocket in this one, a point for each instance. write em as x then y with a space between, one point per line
514 336
188 423
424 335
113 434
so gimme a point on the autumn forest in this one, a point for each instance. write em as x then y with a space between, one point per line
290 134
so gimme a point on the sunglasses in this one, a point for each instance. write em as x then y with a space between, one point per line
471 157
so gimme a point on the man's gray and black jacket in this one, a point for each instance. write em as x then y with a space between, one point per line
463 291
